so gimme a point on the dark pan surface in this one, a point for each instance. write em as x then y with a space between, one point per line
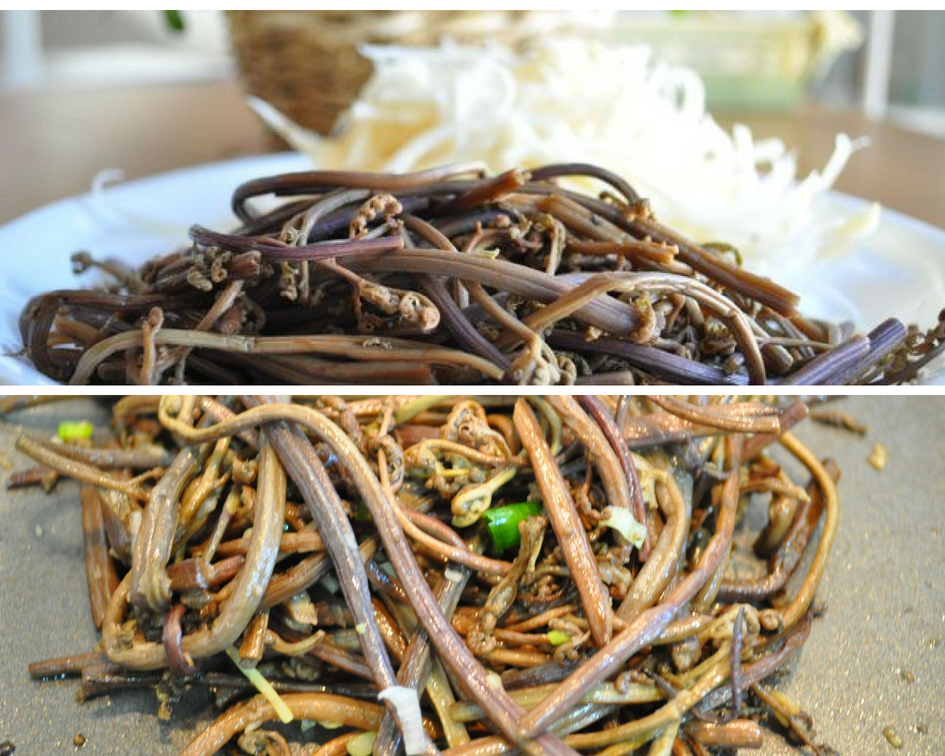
884 591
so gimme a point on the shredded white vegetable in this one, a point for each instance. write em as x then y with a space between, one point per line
577 100
406 704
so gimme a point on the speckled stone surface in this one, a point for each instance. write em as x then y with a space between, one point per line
884 590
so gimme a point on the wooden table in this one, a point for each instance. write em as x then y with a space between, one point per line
53 144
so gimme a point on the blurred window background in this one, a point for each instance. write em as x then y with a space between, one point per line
65 49
888 64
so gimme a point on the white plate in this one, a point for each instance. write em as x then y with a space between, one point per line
899 271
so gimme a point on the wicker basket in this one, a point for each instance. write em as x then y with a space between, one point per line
307 64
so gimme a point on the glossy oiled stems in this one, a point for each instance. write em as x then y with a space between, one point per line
740 733
384 350
142 458
611 432
149 586
297 578
726 275
738 417
793 612
99 567
790 641
658 283
302 463
502 710
787 419
323 707
661 565
248 587
672 594
48 455
566 273
646 628
418 661
576 719
788 555
316 182
572 537
453 652
597 445
606 313
658 428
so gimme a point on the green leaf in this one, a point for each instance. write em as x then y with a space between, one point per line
174 20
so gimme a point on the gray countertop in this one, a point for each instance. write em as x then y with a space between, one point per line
884 591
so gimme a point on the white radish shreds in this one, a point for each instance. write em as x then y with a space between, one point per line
406 704
575 100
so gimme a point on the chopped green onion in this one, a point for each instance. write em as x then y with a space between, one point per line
361 745
503 522
621 519
262 685
307 724
71 431
328 725
557 637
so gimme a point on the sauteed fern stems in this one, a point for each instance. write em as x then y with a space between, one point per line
451 276
471 576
